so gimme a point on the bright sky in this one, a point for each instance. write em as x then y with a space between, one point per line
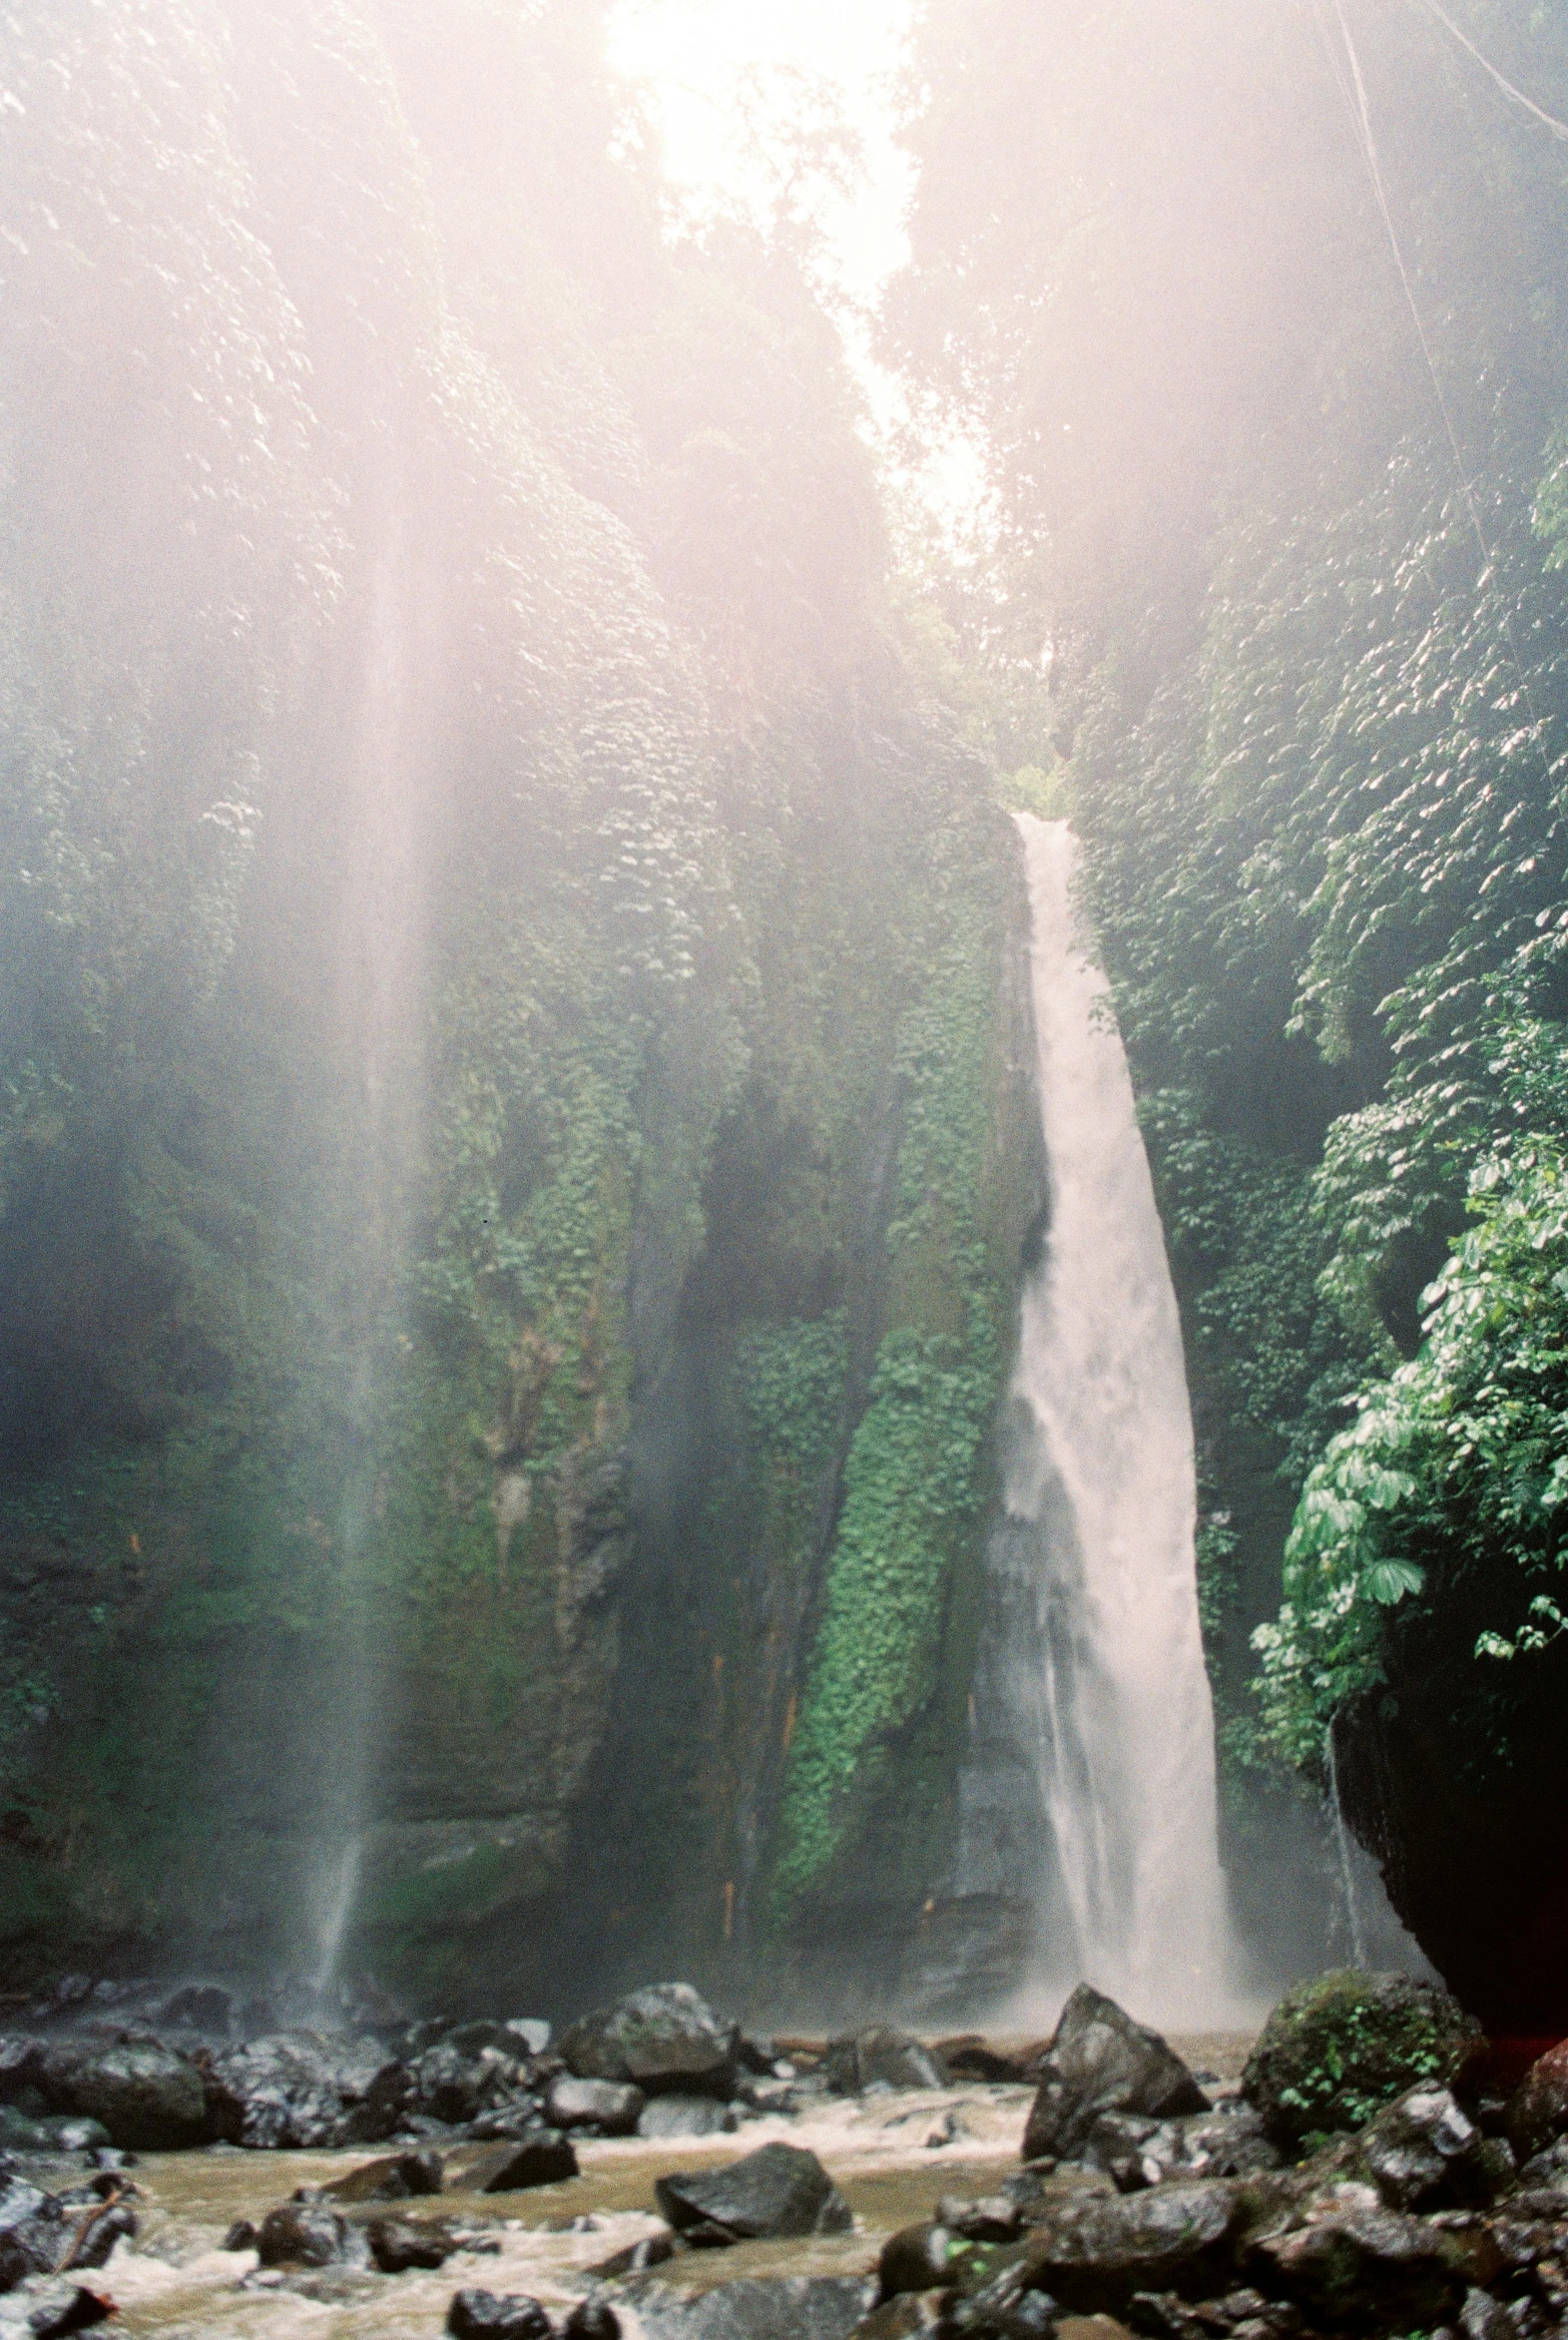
692 51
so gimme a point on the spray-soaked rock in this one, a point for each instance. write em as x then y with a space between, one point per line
542 2159
777 2190
489 2315
915 2259
399 2245
141 2093
1094 2255
1136 2151
396 2177
1422 2151
664 2037
296 2089
610 2106
33 2234
896 2060
796 2307
1537 2112
1099 2061
1340 2046
302 2233
685 2116
1365 2268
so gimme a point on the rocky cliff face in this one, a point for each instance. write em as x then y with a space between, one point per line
515 1140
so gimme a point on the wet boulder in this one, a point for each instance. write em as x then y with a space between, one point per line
685 2116
971 2056
791 2308
34 2237
396 2177
1094 2255
664 2039
1422 2151
544 2158
1099 2061
488 2315
398 2245
1366 2268
1340 2046
1135 2151
906 2317
881 2055
141 2093
78 2311
1537 2115
777 2191
298 2089
612 2106
915 2260
306 2232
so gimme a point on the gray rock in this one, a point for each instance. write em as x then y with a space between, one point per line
896 2060
200 2007
306 2233
796 2307
484 2315
396 2177
143 2093
297 2089
612 2105
1537 2115
1422 2150
1339 2046
398 2246
1367 2269
915 2260
904 2317
777 2190
1094 2255
542 2159
1548 2168
1100 2062
685 2116
532 2032
1136 2151
665 2038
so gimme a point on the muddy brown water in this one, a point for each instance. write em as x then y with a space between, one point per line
177 2279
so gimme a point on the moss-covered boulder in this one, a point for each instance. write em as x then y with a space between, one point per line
1339 2046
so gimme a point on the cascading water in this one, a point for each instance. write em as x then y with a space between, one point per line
1089 1789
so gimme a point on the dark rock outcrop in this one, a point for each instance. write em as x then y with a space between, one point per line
1422 2151
664 2037
777 2190
1099 2061
1338 2046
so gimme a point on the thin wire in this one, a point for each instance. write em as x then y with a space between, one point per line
1557 129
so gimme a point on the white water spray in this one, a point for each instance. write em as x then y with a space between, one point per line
1097 1660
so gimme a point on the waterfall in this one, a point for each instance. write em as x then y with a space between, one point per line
1092 1792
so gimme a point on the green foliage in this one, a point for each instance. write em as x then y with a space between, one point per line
793 1379
912 1482
1450 1484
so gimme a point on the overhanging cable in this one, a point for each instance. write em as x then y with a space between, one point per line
1557 129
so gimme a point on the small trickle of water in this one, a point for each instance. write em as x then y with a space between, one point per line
1341 1845
1098 1665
